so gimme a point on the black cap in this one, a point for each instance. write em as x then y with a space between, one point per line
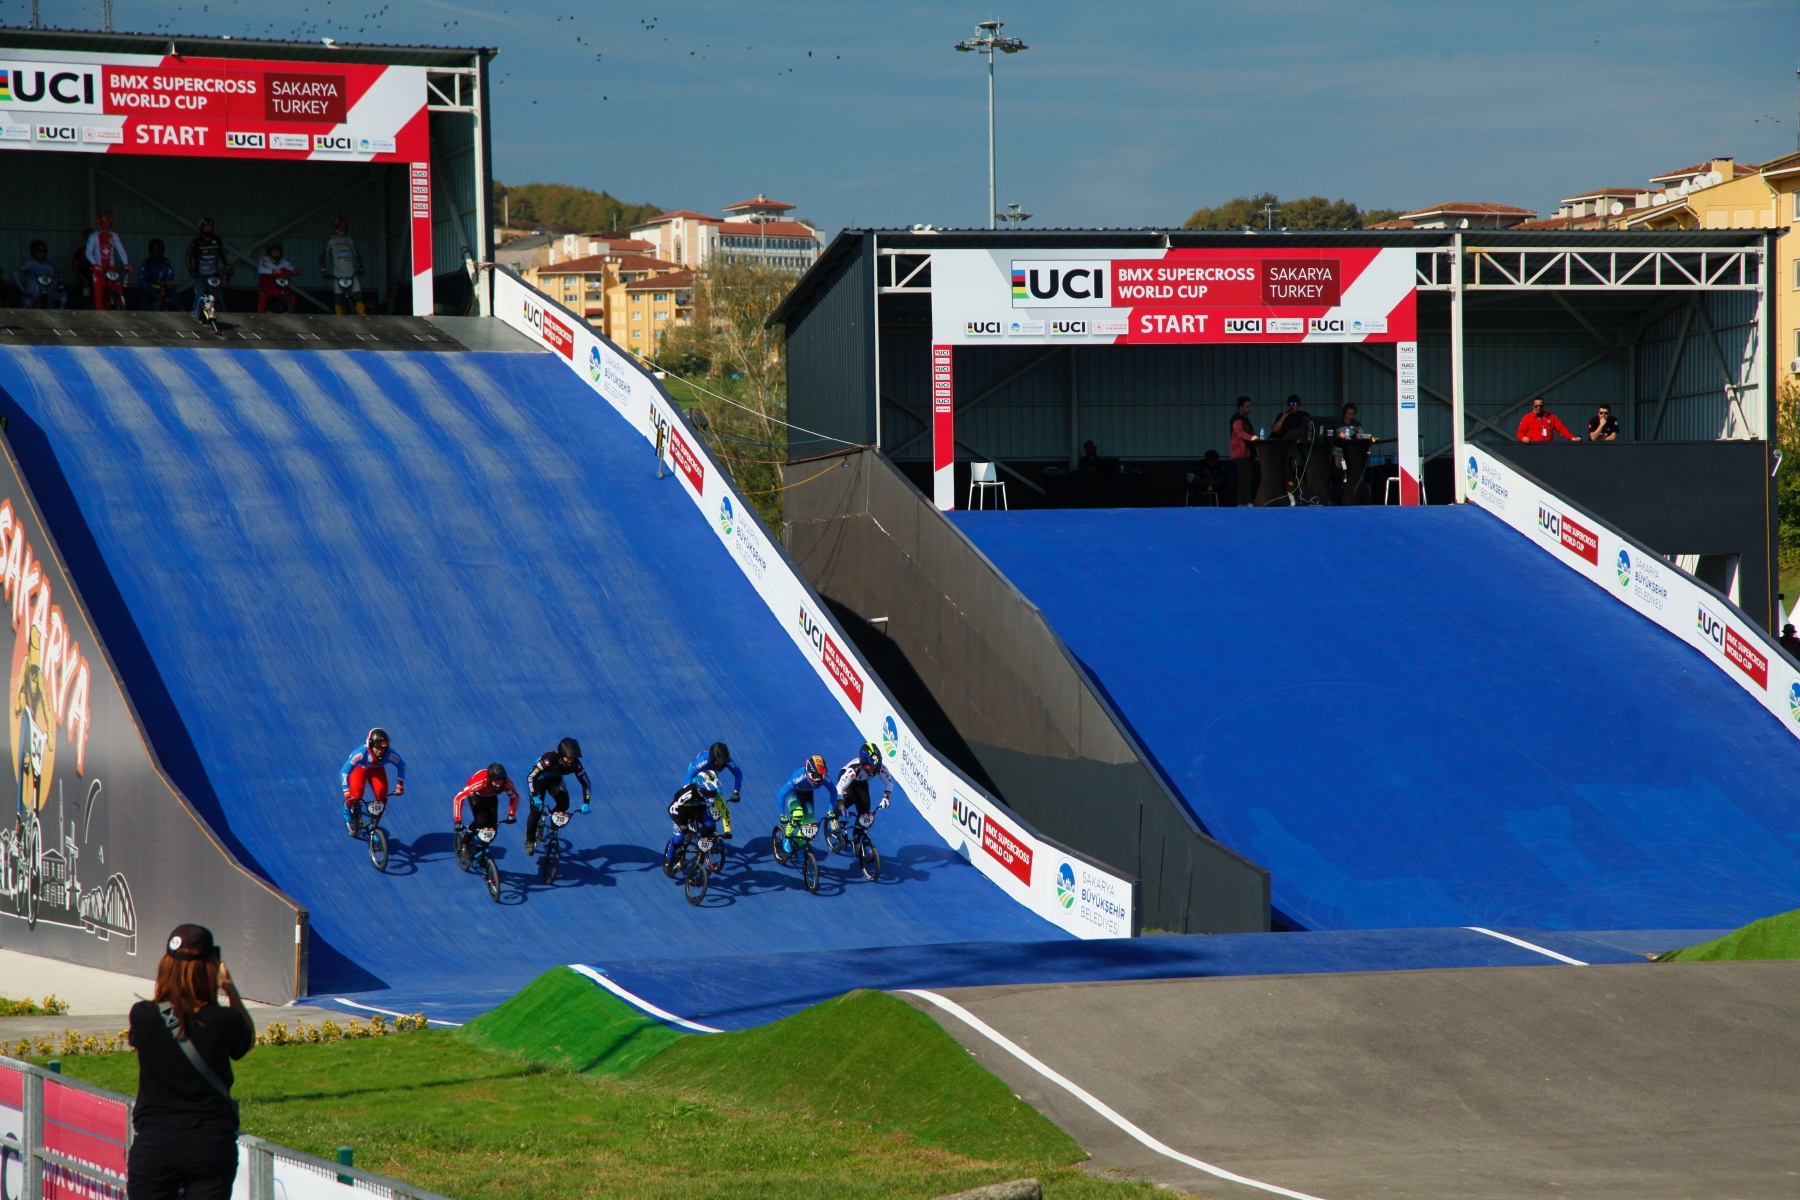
192 941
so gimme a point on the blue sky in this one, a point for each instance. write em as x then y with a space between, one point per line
1120 114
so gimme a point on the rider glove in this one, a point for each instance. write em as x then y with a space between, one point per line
884 800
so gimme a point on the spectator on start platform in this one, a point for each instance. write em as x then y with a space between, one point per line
1542 425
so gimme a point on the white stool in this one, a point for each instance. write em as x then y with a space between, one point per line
1391 493
982 478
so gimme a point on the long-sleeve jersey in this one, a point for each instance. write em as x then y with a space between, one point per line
205 256
798 782
155 271
855 772
551 767
690 804
703 762
34 269
106 250
478 785
362 756
340 259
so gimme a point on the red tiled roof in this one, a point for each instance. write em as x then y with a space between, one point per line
689 213
761 201
1470 208
663 283
1397 223
772 228
593 264
1738 171
1607 191
1550 223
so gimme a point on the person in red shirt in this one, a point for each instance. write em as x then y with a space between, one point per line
483 794
1243 451
1541 425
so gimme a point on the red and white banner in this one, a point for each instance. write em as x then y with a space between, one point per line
1145 296
943 427
168 105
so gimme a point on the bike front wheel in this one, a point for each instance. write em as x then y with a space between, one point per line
493 878
869 859
781 856
552 858
715 858
835 840
464 856
699 877
809 869
378 847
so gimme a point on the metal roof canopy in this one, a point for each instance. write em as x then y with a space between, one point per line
1619 289
456 83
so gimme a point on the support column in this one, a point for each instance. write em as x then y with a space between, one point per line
1459 403
419 202
943 427
1406 427
1074 414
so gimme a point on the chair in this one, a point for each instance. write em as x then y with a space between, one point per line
1391 493
982 478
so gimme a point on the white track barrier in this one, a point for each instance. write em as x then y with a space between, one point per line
1071 892
1640 580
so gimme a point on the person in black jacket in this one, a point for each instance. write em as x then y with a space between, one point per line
185 1122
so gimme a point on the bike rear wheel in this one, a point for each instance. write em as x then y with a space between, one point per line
552 857
493 878
378 847
868 858
809 869
698 878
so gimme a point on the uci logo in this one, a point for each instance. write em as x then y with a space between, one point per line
973 327
69 88
1710 627
1325 325
238 140
534 316
809 629
965 816
57 133
1075 284
340 143
1550 521
1243 325
1068 327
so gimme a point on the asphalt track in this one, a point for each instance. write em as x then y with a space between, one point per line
472 550
1418 718
1662 1082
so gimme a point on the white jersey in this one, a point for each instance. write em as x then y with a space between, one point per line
856 772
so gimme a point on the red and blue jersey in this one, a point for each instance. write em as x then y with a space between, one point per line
367 759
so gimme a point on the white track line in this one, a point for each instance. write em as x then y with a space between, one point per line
1018 1052
639 1001
1573 962
390 1012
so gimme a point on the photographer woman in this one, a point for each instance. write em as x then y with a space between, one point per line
185 1123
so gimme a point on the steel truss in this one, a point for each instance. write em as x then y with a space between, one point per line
1592 269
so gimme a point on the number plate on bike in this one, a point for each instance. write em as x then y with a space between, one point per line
559 819
706 843
376 807
865 820
810 830
486 835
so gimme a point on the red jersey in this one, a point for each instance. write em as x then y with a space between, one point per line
478 785
1543 427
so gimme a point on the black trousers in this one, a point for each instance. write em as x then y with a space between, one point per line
163 1162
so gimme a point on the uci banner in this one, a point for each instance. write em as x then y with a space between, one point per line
1147 296
1082 897
169 105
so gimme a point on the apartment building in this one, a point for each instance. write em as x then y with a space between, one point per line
647 308
590 286
757 230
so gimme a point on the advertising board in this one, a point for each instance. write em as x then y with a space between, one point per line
104 857
1087 900
1121 296
1641 580
175 106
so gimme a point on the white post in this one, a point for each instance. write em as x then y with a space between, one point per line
1458 399
1406 427
993 204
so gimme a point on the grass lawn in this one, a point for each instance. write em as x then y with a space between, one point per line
862 1096
679 391
1771 937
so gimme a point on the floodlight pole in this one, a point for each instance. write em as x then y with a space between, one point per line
986 41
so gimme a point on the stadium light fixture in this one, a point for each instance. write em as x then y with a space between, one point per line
988 40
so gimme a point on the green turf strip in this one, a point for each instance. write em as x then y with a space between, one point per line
1771 937
566 1020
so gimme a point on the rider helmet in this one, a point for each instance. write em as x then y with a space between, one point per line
274 249
377 739
718 756
569 748
156 247
870 754
39 246
707 782
340 224
815 769
104 219
496 775
206 226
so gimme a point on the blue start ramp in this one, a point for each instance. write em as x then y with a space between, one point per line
1418 718
472 550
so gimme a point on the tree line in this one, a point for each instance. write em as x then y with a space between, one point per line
1307 212
562 208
